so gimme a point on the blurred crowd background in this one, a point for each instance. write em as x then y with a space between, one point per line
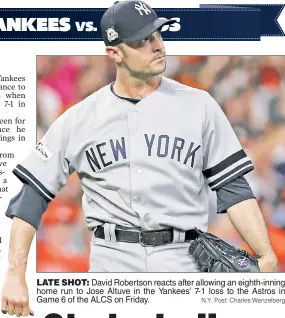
251 92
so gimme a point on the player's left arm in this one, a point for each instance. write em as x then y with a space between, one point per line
237 199
225 162
247 219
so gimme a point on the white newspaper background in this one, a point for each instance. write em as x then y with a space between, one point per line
204 294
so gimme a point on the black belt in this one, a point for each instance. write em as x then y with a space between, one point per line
146 238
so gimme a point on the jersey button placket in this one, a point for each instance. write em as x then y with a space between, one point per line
147 219
137 200
134 135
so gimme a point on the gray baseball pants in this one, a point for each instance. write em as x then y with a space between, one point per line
108 255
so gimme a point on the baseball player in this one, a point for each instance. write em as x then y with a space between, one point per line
147 150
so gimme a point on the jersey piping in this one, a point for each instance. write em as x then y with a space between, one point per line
24 175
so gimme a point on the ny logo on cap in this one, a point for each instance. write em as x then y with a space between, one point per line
112 34
141 7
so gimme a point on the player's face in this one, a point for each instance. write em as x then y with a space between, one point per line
146 57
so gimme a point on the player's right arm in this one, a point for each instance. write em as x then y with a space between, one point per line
15 297
44 172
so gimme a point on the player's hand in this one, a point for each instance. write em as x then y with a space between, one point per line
268 263
15 297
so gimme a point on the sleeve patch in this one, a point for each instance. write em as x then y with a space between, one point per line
43 152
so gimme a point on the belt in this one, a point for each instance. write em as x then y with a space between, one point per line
146 238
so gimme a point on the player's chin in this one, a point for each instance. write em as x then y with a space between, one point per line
158 68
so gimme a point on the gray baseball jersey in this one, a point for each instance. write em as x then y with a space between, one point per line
147 165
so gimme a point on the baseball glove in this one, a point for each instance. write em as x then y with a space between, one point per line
212 254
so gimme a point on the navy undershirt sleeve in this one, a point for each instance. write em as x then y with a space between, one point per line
235 191
27 205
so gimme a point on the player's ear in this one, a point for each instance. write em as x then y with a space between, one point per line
115 53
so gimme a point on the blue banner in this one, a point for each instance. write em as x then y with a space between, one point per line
207 23
269 13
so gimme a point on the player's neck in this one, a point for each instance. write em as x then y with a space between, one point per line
130 87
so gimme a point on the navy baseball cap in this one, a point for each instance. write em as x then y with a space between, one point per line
130 21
